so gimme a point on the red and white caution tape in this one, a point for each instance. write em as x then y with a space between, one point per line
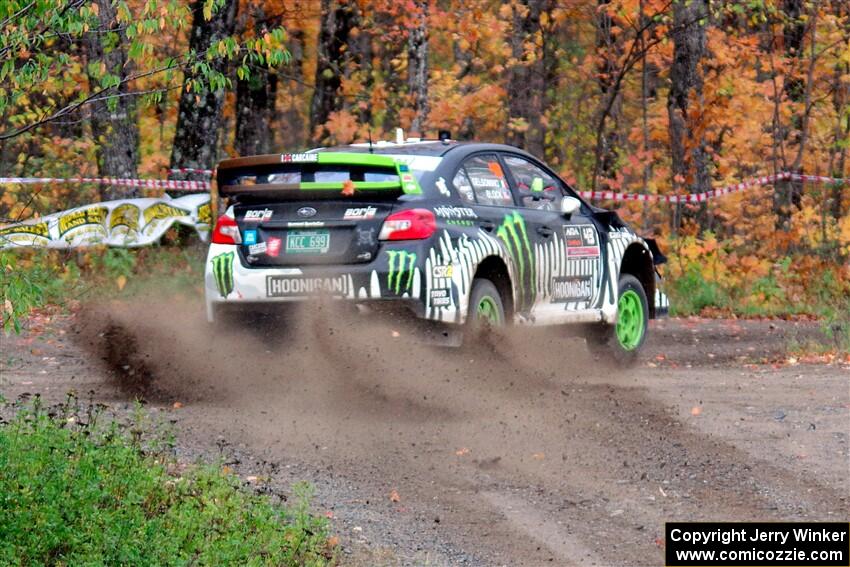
694 197
171 184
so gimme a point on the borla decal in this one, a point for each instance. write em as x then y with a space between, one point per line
222 269
581 241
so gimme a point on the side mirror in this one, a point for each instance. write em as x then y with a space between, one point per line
569 205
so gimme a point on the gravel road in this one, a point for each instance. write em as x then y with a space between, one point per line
525 451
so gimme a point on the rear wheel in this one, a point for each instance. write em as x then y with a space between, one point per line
621 343
486 309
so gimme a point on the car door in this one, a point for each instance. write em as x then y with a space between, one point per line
480 181
568 253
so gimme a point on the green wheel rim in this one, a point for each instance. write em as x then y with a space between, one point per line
488 310
630 320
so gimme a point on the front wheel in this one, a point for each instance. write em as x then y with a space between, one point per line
621 343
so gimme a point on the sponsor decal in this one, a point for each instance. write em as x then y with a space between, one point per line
442 271
366 237
360 213
572 288
295 158
306 212
259 248
450 212
91 215
25 233
273 246
441 297
222 269
249 237
258 215
442 187
125 215
163 211
512 232
581 241
205 214
400 270
288 286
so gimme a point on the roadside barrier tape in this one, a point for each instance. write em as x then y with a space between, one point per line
172 184
713 193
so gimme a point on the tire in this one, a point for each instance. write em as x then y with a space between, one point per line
621 344
486 309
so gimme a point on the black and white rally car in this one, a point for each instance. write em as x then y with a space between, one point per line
453 233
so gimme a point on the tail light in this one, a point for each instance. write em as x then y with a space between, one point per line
226 231
412 224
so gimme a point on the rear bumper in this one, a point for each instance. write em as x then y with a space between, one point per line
394 279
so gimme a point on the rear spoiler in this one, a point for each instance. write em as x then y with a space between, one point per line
233 175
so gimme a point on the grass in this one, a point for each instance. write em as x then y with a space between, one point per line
78 489
34 278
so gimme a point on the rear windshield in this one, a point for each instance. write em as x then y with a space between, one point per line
290 180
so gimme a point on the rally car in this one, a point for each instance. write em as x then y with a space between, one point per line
456 234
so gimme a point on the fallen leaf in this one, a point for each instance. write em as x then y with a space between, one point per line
329 514
333 541
696 410
539 456
121 281
462 451
177 405
394 496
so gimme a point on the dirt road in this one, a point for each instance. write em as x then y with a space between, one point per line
528 453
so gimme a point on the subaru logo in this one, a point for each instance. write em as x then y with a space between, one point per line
305 212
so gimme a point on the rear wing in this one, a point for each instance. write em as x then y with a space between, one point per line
315 175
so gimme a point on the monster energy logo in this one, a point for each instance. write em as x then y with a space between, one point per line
222 269
512 232
401 265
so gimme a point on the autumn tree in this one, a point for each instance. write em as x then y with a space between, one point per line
690 160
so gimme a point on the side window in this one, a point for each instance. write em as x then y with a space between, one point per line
536 188
464 188
488 181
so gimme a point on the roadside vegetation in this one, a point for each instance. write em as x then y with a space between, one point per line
80 488
37 278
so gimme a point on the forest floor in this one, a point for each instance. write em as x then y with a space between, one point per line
524 453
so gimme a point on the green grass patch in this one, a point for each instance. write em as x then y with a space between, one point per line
35 278
74 491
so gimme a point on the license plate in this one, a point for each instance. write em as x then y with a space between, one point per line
308 241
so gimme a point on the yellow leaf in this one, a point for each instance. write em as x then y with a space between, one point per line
121 281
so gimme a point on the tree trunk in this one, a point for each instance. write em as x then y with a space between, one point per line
690 161
609 50
113 122
338 19
255 107
417 69
199 115
527 99
290 132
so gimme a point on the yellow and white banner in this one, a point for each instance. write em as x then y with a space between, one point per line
125 223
